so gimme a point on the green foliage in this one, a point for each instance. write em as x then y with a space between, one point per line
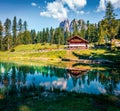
12 50
27 38
1 36
51 35
7 25
33 36
7 42
109 22
101 35
25 26
14 29
20 25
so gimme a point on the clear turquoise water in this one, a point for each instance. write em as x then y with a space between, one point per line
91 81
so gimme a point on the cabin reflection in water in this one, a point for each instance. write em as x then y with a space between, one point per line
76 74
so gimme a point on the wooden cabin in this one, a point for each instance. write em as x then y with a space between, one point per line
77 42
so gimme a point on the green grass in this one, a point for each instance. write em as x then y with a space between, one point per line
64 102
39 54
97 54
35 54
36 47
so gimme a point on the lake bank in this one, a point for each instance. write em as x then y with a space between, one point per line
57 101
61 57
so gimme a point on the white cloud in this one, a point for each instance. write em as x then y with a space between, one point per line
102 4
55 10
58 9
34 4
81 12
75 4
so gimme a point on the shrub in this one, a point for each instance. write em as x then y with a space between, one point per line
12 50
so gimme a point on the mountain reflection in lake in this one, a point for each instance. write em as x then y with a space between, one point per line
88 81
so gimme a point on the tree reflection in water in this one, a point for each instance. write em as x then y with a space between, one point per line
14 77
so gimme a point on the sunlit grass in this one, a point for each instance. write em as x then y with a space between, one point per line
24 108
39 54
36 47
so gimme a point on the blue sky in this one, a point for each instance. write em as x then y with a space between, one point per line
40 14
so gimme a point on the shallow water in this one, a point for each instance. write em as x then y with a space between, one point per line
88 81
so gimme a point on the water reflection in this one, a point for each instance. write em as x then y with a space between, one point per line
14 77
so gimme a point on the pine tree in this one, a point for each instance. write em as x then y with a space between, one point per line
27 38
118 34
75 28
25 26
66 36
20 25
38 37
7 25
101 35
1 36
33 36
82 33
43 36
58 37
109 22
7 39
62 42
51 36
14 29
47 35
19 39
93 33
87 37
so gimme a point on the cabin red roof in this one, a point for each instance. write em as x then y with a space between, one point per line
77 39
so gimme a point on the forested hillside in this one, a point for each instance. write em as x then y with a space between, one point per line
14 32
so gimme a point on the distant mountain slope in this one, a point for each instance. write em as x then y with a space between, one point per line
70 26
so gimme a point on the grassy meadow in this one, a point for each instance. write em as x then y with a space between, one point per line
46 54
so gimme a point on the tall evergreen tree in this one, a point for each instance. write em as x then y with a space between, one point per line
1 35
66 36
19 39
27 38
43 36
51 36
118 34
62 36
7 38
25 26
82 33
88 31
39 37
75 28
14 29
58 32
93 33
47 35
20 25
109 22
59 37
7 25
101 35
33 36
